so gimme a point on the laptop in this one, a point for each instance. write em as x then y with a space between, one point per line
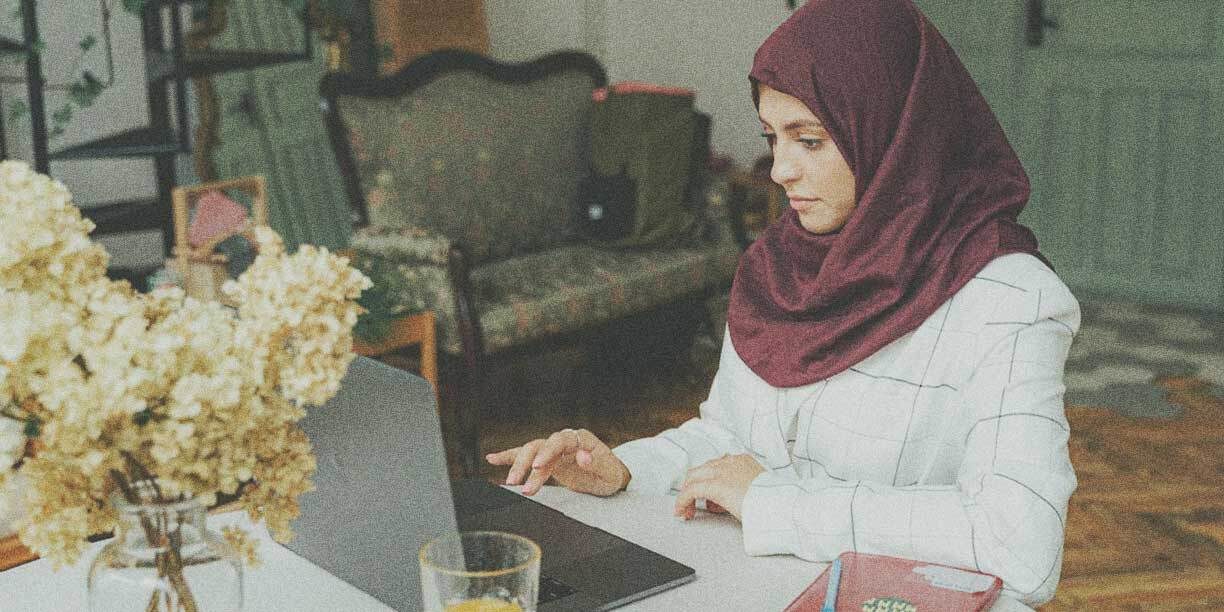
382 490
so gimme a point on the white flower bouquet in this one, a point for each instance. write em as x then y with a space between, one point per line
104 390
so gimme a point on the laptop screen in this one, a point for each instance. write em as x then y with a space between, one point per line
381 487
382 490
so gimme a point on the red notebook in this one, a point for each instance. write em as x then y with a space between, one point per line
875 583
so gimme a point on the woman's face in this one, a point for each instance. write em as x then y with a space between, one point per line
806 163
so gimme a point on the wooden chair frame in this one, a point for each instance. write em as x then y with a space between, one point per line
465 374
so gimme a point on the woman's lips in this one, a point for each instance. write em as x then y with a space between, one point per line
801 204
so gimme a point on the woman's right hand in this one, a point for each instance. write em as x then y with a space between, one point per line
575 457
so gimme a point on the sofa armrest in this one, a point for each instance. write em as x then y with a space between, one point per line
407 245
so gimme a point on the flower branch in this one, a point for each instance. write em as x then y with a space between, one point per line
156 397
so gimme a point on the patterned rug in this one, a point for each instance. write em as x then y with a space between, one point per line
1145 396
1145 399
1123 349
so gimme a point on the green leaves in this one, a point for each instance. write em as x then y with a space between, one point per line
390 297
62 114
60 118
17 110
32 428
375 323
81 93
85 89
143 417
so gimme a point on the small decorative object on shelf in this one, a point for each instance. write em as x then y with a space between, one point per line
160 399
171 57
204 217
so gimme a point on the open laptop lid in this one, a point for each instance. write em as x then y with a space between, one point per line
381 488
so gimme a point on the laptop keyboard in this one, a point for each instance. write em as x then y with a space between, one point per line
552 589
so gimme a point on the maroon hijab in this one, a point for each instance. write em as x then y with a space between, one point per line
937 186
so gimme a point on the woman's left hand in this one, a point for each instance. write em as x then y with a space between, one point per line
722 482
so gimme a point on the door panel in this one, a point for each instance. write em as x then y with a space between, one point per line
1186 122
271 125
981 33
1123 144
1119 119
1114 28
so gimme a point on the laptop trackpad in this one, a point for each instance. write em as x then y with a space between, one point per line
563 539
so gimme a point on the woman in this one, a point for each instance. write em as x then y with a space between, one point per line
891 378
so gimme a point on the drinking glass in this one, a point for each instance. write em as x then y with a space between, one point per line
480 571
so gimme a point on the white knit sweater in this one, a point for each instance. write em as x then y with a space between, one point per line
948 445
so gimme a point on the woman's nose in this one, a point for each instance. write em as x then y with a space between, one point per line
784 170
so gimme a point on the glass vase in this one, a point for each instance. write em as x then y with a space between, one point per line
163 558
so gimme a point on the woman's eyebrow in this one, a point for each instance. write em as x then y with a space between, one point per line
803 123
797 124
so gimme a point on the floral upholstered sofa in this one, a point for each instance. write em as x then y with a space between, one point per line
463 173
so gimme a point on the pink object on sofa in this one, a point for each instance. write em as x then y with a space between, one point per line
629 87
215 215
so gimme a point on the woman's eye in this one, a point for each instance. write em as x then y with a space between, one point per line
769 138
811 143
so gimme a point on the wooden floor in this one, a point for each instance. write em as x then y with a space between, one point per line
1145 530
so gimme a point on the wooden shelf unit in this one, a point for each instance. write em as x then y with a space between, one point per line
169 65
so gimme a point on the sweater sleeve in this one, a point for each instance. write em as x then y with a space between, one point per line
659 464
1005 514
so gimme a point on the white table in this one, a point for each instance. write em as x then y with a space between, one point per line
712 544
727 579
283 581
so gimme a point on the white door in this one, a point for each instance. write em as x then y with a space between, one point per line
1118 116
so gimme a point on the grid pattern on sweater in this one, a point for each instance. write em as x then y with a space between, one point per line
948 445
